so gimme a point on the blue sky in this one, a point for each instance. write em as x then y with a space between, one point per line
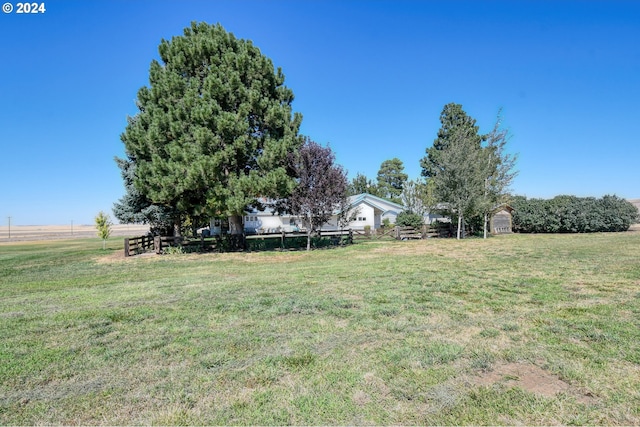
370 79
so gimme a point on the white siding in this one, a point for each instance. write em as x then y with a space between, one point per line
366 216
270 222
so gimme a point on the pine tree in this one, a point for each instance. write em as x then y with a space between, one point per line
214 128
135 208
391 179
454 163
361 184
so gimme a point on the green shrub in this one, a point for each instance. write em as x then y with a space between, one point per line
409 219
570 214
173 250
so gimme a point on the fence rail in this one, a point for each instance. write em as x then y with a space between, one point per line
137 245
407 233
334 235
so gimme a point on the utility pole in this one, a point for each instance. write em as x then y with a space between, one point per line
9 227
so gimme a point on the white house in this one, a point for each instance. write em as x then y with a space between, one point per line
370 210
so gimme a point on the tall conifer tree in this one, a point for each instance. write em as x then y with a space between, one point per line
391 179
214 129
454 162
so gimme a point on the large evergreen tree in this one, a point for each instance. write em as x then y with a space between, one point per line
391 179
361 184
214 129
135 208
454 163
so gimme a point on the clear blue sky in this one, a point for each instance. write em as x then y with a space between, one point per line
370 78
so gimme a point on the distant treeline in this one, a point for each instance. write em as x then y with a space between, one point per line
570 214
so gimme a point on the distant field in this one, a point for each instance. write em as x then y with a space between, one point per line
46 232
517 329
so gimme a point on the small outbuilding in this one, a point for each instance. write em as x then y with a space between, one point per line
501 220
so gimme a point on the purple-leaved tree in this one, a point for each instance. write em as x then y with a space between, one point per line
321 186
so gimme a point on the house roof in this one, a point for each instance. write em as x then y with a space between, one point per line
504 206
376 202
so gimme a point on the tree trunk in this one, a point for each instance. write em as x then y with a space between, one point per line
177 226
308 239
459 225
485 225
235 225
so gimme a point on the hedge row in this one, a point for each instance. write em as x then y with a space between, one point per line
570 214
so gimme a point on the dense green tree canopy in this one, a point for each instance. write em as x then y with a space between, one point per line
417 196
215 126
455 123
361 184
454 163
469 172
134 207
391 179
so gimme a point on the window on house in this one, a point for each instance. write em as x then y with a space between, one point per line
362 218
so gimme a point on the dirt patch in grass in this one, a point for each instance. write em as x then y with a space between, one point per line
530 378
118 257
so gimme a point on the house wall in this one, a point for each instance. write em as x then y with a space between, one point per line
366 216
270 223
215 226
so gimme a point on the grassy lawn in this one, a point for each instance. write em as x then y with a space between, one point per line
520 329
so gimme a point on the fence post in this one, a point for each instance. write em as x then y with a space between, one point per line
282 239
126 247
350 236
397 233
157 244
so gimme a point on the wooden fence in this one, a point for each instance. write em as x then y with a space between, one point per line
409 233
335 236
137 245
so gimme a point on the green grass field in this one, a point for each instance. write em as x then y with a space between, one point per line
519 329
